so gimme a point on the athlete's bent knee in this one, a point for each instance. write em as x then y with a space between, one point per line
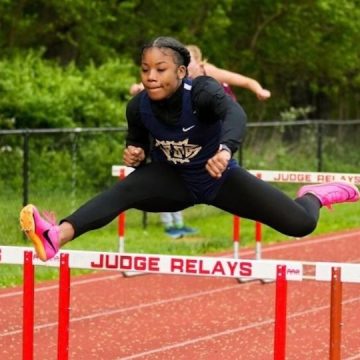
305 228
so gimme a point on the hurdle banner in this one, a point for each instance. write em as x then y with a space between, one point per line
291 177
280 270
286 176
160 264
304 177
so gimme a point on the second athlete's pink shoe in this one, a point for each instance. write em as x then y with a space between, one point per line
332 193
43 233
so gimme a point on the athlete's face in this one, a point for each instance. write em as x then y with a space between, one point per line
160 75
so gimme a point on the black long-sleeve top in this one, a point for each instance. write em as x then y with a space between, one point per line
208 100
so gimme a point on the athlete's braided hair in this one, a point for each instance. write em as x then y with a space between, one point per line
182 54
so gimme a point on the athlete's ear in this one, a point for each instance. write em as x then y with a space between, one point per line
181 71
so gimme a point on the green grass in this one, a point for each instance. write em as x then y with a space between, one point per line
215 232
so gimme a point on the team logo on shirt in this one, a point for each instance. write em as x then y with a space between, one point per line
178 152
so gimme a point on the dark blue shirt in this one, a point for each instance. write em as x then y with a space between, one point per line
208 100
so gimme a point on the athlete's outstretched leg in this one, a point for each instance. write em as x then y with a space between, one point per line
247 196
155 187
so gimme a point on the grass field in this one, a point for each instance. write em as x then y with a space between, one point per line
215 231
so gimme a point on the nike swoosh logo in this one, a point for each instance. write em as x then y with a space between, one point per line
188 128
46 236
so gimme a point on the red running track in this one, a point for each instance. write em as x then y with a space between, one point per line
184 317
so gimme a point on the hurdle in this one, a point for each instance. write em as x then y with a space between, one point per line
289 177
275 176
121 172
280 271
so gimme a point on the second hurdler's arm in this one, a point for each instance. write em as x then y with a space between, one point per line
235 79
136 88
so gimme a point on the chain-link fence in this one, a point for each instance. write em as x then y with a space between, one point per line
36 162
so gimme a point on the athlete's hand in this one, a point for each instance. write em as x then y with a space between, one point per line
133 156
263 94
136 88
218 163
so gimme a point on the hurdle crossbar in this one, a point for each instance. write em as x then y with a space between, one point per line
281 176
304 177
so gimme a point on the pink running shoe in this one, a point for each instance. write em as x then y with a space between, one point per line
43 233
332 193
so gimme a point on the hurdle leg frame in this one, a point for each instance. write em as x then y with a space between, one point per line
280 313
121 221
236 244
28 306
64 307
258 248
335 314
121 229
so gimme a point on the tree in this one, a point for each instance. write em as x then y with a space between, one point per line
305 51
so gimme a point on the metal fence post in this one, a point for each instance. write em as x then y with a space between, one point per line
319 135
26 135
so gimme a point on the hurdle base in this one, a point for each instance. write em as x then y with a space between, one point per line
246 280
267 281
133 273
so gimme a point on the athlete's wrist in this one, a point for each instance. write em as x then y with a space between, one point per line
223 147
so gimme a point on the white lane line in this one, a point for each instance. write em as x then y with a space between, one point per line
161 302
354 357
56 287
304 242
230 331
128 309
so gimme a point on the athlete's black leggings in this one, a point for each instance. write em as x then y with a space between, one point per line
158 187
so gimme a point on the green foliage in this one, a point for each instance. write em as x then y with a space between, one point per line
68 30
340 144
74 161
293 114
303 51
96 155
294 49
35 93
11 163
